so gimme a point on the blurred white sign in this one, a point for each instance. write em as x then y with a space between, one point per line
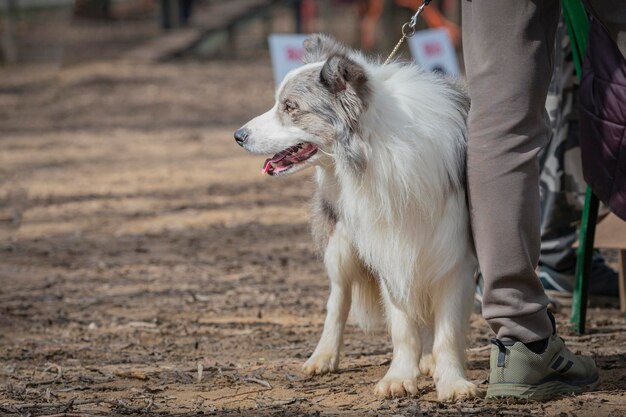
433 51
286 51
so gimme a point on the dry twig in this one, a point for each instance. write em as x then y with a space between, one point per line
258 381
48 381
240 394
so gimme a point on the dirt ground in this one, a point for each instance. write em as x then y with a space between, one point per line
139 244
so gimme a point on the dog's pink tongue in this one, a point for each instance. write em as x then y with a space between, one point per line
268 168
284 159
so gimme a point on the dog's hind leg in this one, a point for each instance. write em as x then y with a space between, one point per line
341 264
427 361
452 307
401 378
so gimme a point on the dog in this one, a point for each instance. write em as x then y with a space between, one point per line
389 214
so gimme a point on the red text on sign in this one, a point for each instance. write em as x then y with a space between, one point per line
294 54
432 48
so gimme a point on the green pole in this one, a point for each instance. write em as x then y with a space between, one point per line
577 23
583 261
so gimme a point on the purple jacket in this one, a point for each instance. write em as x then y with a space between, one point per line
603 119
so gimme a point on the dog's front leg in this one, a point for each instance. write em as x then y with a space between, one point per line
401 378
452 310
341 262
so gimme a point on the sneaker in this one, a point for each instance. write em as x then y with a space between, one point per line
516 371
603 284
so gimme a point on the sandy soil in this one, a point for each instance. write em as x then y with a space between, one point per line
139 243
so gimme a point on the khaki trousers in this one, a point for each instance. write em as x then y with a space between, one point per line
508 46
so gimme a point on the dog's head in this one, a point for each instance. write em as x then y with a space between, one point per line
317 109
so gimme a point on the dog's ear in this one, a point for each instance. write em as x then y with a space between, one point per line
319 46
347 81
340 72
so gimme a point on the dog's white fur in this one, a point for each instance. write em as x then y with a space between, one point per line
401 236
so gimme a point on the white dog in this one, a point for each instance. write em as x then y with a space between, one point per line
389 214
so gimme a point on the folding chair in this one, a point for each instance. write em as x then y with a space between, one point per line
577 24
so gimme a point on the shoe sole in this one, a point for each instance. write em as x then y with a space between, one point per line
565 300
542 392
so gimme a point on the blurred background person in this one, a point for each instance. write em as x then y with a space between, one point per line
562 188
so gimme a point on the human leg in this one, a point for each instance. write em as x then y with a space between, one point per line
562 189
561 182
508 48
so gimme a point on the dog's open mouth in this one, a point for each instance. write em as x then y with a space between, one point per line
285 160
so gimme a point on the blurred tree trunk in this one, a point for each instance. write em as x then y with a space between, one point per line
9 46
170 14
98 9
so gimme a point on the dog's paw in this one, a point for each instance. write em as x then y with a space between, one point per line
427 365
390 387
460 389
321 363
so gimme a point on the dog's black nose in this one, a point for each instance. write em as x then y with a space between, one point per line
241 136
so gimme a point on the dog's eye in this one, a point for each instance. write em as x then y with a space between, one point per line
290 106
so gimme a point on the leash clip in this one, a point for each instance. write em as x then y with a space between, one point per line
408 30
413 21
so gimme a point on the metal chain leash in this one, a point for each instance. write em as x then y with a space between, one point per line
408 30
